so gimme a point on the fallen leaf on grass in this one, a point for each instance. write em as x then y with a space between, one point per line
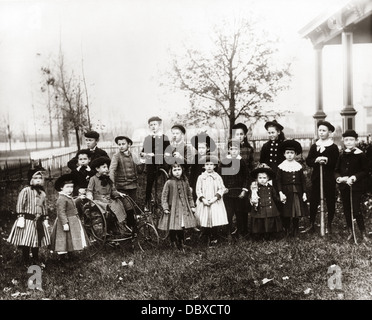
307 291
124 264
7 289
285 278
340 296
130 263
17 294
15 282
266 280
120 279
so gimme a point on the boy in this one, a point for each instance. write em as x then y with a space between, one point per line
324 152
236 179
91 139
123 173
102 190
153 151
180 151
351 175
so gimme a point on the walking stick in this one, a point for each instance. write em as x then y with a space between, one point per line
352 215
322 227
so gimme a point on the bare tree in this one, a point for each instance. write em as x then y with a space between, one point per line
238 77
46 86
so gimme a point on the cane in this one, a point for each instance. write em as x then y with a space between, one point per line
352 215
322 227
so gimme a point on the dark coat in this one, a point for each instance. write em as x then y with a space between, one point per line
332 153
292 184
237 176
267 205
270 154
81 178
72 164
177 198
158 146
354 163
247 153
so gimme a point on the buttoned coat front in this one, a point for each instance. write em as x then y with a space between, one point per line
74 239
177 198
268 198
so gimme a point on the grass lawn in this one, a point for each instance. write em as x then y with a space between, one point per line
227 271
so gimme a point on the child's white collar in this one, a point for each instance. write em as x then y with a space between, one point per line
79 167
321 144
64 194
230 157
268 183
354 150
290 166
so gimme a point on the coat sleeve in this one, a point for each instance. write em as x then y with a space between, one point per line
221 187
22 201
165 196
338 167
113 167
279 178
363 168
303 180
263 153
332 160
61 211
90 188
72 164
189 195
310 160
198 189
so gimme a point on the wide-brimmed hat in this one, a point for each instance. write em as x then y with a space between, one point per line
203 138
123 138
31 172
327 124
60 182
350 133
92 134
263 168
240 126
290 145
99 162
275 124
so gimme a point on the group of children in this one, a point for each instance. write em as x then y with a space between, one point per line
202 191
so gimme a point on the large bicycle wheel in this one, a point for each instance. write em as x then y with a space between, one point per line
156 207
147 237
95 226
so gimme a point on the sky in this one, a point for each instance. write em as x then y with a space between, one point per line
125 47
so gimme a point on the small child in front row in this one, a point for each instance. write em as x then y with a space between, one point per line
210 209
68 233
291 182
178 206
265 216
30 230
351 175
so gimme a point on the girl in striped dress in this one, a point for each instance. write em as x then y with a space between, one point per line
210 209
30 230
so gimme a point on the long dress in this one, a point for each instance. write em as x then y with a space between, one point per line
76 238
209 185
177 198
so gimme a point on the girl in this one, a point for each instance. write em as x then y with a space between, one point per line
30 230
68 234
270 150
324 152
178 206
210 209
265 218
240 131
204 145
291 186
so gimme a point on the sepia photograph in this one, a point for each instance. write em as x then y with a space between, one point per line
202 153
